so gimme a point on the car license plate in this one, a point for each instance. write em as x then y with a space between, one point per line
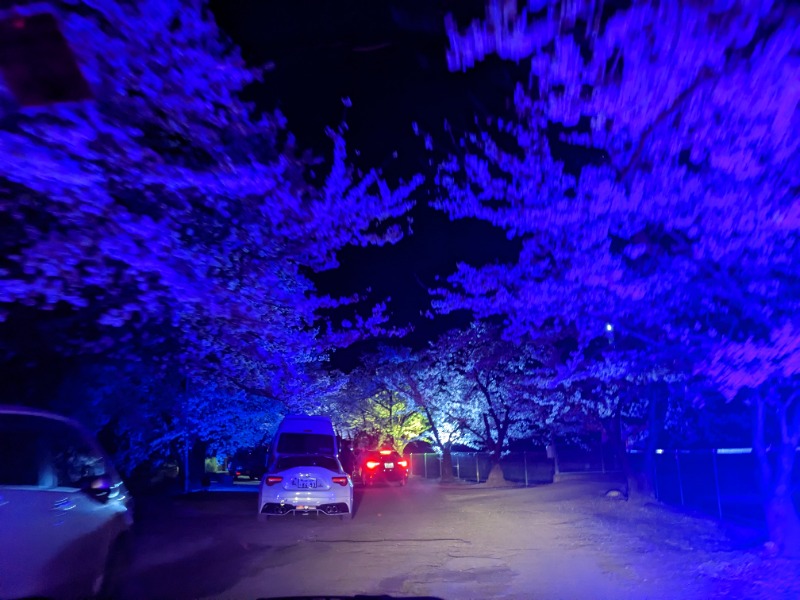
389 465
305 482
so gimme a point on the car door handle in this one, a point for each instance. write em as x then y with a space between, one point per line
63 505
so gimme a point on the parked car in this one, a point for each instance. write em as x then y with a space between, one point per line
306 484
303 434
384 465
65 515
248 462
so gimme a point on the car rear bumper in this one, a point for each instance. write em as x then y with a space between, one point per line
333 502
330 509
385 475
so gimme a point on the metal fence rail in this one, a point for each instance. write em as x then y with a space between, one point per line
717 481
722 482
527 468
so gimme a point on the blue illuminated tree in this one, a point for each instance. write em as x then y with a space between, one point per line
436 391
651 170
170 221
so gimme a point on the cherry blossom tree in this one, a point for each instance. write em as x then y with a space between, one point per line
170 222
379 408
441 394
651 170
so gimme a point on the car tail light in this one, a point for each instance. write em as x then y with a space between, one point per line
272 479
386 452
340 480
238 472
371 464
403 463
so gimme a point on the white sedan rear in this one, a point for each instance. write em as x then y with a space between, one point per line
306 484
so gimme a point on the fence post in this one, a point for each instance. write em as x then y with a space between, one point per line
477 469
525 462
716 481
458 467
680 479
655 475
425 462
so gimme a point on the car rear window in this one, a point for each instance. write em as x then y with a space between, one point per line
305 443
292 462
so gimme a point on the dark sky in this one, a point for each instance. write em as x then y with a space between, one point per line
388 58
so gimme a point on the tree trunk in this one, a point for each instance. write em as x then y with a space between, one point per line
447 465
496 477
641 483
783 524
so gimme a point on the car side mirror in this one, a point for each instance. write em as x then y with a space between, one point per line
99 488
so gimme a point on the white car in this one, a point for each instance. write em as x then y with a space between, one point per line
65 515
305 484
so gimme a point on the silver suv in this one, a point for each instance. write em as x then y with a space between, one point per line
64 512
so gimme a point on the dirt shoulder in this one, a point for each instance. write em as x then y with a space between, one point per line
457 541
653 550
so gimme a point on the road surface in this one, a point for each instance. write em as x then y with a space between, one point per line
453 542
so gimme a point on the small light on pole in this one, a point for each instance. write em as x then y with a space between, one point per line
609 327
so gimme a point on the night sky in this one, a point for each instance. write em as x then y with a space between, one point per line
388 58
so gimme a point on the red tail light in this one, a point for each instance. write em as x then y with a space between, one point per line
371 464
238 472
272 479
403 463
340 480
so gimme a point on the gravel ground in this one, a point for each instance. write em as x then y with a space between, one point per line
459 541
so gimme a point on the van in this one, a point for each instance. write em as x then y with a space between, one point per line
303 434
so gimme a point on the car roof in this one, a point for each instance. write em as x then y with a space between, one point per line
11 409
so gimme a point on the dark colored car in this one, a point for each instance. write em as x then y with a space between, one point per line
383 465
248 462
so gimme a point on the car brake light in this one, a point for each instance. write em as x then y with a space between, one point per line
386 452
272 479
340 480
403 463
371 464
238 472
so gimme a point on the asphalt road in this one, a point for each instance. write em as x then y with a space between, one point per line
424 539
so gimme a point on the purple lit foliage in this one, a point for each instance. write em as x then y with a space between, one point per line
167 212
651 170
442 397
377 409
473 388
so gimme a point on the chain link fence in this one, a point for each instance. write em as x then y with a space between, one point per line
527 468
720 481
